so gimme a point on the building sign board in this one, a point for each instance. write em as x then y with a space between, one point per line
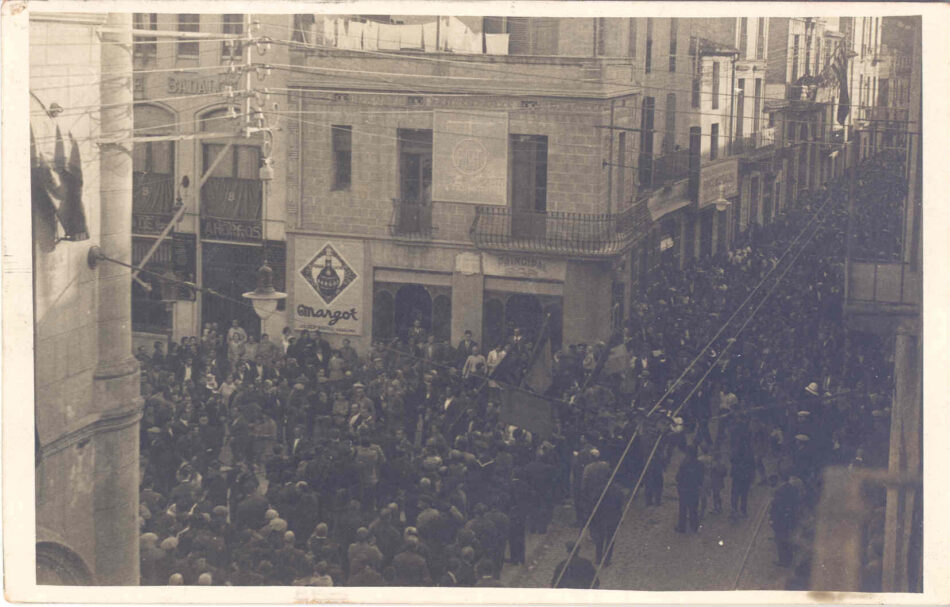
718 178
470 157
216 228
150 223
516 265
328 286
182 83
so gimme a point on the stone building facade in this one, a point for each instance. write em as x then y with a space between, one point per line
87 403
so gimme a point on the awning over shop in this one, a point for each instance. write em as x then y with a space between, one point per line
659 208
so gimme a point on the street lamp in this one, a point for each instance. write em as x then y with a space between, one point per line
722 203
264 298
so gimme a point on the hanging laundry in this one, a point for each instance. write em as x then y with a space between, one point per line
410 36
388 37
430 33
496 44
455 35
370 36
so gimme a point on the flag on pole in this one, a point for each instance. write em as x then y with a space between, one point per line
839 69
538 377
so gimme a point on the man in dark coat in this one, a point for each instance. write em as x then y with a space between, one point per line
689 481
410 568
580 572
604 522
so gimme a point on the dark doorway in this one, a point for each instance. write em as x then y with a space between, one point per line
232 271
384 328
442 318
524 312
412 303
493 323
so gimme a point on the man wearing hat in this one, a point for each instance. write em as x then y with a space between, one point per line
579 573
783 516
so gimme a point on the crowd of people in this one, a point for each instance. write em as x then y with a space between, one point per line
877 230
287 461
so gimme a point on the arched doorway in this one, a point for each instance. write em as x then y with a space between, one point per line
57 565
412 303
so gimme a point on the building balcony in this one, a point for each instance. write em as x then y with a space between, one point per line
556 232
657 171
753 142
411 220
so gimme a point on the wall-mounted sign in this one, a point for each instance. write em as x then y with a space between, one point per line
196 84
149 223
470 157
328 285
216 228
515 265
718 178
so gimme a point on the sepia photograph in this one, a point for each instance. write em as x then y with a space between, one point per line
547 297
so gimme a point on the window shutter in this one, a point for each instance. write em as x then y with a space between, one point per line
519 36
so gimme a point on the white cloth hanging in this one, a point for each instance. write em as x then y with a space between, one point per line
389 36
496 44
410 36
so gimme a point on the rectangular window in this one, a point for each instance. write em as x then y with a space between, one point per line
621 168
740 107
715 85
232 25
645 164
145 45
188 48
241 161
757 110
795 42
669 129
342 141
743 37
632 38
153 157
697 85
673 45
648 55
808 41
714 141
415 165
760 39
529 182
600 35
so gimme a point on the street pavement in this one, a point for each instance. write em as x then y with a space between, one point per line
727 553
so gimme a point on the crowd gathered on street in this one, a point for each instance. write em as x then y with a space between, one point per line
286 461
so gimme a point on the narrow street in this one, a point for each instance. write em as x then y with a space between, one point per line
650 555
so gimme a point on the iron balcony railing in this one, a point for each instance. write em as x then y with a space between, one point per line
411 219
557 231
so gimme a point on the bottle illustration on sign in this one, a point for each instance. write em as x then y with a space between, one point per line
328 281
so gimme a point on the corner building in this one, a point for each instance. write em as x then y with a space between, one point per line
470 174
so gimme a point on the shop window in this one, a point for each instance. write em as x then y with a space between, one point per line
342 137
188 48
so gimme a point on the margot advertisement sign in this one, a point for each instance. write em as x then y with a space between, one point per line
328 286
